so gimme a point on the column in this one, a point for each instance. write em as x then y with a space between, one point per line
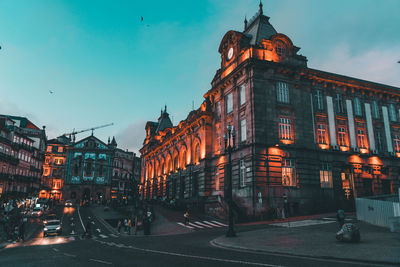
331 121
350 120
370 128
387 129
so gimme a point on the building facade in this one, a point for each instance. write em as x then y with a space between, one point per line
22 155
96 171
53 168
318 138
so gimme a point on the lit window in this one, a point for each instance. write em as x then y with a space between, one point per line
288 172
60 149
242 173
242 93
396 141
357 107
375 110
325 175
339 103
321 134
361 138
243 136
392 113
229 103
319 101
379 140
282 90
49 148
285 129
196 154
341 136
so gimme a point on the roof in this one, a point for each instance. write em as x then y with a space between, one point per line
259 28
23 121
164 121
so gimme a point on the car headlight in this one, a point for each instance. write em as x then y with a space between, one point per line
58 228
45 229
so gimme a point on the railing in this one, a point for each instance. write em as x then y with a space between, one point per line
376 211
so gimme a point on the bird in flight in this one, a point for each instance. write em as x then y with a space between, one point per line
141 19
398 61
51 92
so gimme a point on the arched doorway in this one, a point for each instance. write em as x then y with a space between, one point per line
86 194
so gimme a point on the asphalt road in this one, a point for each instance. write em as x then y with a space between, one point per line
188 249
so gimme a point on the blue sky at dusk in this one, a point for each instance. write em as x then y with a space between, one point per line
105 65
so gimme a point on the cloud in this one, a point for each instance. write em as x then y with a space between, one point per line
376 65
132 136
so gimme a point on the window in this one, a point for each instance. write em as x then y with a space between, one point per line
288 172
396 142
88 169
243 136
285 129
392 113
217 187
242 173
375 110
218 109
321 133
379 140
341 136
339 103
325 175
357 107
242 92
60 149
197 154
361 138
319 101
49 148
282 90
229 103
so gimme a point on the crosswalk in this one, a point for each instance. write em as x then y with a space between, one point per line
195 225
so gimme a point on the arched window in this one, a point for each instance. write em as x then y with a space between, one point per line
183 159
197 154
176 166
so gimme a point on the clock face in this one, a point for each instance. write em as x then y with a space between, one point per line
230 53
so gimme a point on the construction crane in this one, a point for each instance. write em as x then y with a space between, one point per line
73 133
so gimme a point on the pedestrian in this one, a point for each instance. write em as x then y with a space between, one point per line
88 232
126 225
129 226
22 231
119 225
340 217
186 216
285 205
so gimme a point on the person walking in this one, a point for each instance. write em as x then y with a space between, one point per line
129 226
340 217
119 225
126 225
22 231
186 216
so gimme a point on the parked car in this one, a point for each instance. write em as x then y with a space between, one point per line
50 217
68 203
52 227
37 212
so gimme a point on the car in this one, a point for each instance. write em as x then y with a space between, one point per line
52 227
50 217
37 212
68 203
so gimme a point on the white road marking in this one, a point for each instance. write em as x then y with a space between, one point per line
80 218
103 236
220 223
187 226
98 230
203 224
301 223
104 262
72 238
195 225
55 249
201 257
69 255
212 224
112 235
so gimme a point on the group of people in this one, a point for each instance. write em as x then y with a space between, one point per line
127 223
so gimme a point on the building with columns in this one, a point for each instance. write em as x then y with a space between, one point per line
319 138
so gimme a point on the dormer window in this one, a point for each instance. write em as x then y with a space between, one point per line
281 49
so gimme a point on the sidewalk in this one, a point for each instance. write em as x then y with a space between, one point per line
378 245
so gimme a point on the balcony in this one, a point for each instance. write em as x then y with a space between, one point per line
5 140
8 158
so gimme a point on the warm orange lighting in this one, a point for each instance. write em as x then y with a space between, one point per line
274 151
354 159
398 154
375 161
287 142
323 146
364 151
344 148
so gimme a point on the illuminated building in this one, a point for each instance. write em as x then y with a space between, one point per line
21 156
97 171
318 137
53 168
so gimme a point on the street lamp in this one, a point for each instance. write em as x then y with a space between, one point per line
229 139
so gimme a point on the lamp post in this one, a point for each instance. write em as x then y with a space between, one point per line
229 139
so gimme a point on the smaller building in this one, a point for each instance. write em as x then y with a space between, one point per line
53 168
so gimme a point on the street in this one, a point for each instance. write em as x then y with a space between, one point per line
106 248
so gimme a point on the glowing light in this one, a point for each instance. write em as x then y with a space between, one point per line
375 161
323 146
274 151
398 154
344 148
287 142
354 159
363 150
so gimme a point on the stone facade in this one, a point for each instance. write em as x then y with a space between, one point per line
318 138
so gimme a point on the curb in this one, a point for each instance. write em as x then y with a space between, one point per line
106 225
217 244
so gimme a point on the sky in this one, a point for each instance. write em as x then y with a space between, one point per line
104 65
